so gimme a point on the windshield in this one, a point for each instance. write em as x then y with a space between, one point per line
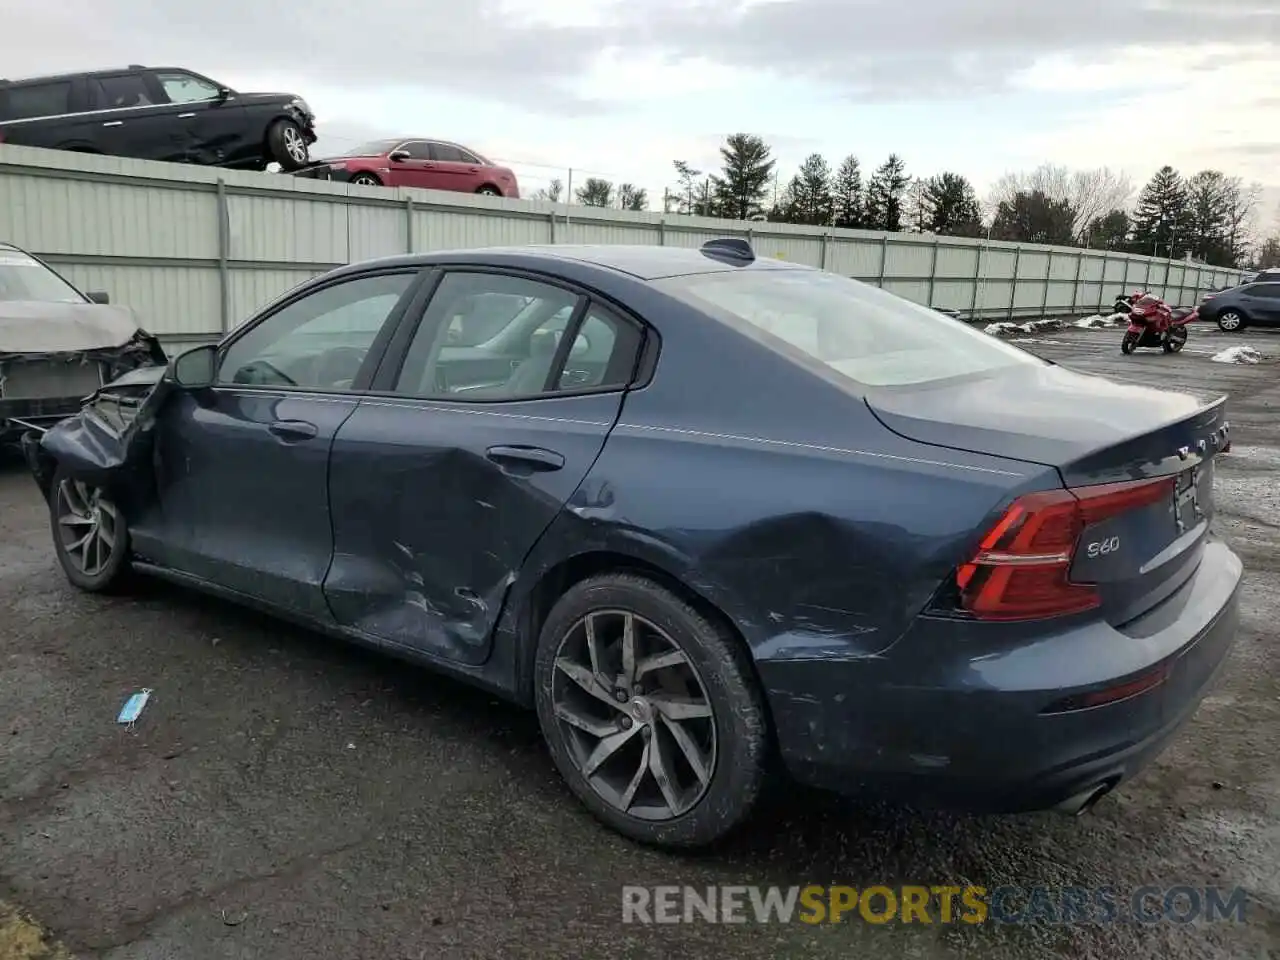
373 148
23 277
860 331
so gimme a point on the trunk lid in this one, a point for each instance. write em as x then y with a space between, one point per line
1093 431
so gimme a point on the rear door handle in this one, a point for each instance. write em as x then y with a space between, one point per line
184 116
290 431
114 123
535 458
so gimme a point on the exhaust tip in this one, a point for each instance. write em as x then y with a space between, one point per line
1081 803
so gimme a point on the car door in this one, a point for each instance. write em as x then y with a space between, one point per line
414 170
214 128
455 168
242 468
133 119
438 494
1263 304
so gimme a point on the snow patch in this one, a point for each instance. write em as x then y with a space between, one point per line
1237 355
1005 328
1099 321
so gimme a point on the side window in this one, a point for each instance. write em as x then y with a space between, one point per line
184 88
507 324
523 323
1269 290
318 342
36 100
446 153
467 157
604 352
418 149
123 90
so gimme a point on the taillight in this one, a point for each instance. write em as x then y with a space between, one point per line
1020 570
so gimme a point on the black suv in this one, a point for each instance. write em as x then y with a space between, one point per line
157 113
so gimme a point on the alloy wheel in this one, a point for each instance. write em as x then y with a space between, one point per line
293 143
88 526
364 180
634 715
1229 321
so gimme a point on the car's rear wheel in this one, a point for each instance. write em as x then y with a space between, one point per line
489 191
90 535
287 146
1230 321
366 180
651 712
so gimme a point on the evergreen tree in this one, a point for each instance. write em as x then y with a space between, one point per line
1109 232
846 194
631 197
952 204
885 195
745 178
1160 225
810 191
595 192
1034 217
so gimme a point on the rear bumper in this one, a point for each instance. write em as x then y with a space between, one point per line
935 721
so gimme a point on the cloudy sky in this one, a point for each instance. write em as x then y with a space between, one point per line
620 88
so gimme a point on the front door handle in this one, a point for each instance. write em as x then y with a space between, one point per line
291 431
531 458
184 116
114 123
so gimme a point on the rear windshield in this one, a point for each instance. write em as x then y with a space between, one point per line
872 337
22 277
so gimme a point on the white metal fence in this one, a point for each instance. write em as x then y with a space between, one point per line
196 250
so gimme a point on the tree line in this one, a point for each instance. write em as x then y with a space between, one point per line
1207 215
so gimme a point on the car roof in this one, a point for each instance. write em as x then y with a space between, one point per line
645 262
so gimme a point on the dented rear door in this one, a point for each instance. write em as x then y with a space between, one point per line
435 505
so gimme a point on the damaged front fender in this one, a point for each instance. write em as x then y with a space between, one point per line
109 442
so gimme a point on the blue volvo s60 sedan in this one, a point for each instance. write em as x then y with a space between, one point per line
702 510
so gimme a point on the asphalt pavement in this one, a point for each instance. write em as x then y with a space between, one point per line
286 796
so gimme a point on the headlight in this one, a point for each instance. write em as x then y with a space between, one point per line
301 105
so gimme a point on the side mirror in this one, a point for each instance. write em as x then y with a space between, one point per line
224 93
99 296
398 156
195 369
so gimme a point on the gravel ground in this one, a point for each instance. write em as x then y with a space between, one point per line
285 796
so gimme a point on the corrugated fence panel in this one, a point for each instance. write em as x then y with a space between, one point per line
170 300
62 215
169 240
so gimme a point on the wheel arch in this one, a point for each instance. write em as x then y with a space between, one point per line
535 605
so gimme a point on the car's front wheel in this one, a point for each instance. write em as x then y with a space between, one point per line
90 535
287 146
651 712
366 180
489 190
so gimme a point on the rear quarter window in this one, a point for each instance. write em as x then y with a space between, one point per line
868 336
24 101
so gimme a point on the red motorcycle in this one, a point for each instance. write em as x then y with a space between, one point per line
1153 324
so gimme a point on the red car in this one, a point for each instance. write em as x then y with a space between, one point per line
429 164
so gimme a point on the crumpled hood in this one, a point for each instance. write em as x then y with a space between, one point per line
38 327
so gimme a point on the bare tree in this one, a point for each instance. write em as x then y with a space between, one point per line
551 192
1090 193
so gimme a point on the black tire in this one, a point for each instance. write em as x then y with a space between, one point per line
111 570
722 671
1176 340
1231 321
1129 342
287 146
488 190
366 180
